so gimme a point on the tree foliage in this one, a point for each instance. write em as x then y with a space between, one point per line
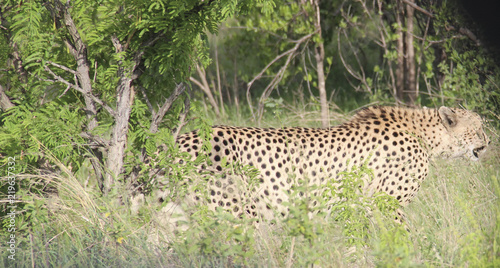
366 43
96 68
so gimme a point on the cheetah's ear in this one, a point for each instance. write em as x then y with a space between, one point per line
448 116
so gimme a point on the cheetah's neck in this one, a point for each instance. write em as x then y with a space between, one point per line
425 124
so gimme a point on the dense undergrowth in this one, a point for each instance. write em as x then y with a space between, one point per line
454 222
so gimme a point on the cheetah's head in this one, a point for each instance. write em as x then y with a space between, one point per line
465 136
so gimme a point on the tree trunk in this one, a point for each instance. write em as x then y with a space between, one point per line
320 57
400 71
235 87
406 87
78 50
219 88
411 87
124 99
118 142
323 98
5 102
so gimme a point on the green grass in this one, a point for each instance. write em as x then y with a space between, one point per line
454 222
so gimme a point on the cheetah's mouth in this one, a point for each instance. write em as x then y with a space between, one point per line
476 152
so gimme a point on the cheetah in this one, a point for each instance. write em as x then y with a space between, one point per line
395 143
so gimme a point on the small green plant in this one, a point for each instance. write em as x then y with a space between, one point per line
354 208
216 238
302 205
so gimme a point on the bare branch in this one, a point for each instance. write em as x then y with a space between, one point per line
470 34
221 101
418 8
183 115
61 80
71 48
95 72
179 89
347 66
96 141
271 85
158 116
277 78
297 42
79 48
116 43
205 87
145 96
65 91
198 83
62 67
79 89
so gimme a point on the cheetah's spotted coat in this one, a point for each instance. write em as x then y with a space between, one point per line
396 143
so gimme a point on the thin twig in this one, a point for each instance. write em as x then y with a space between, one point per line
95 72
60 66
64 92
183 114
148 103
347 66
96 140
